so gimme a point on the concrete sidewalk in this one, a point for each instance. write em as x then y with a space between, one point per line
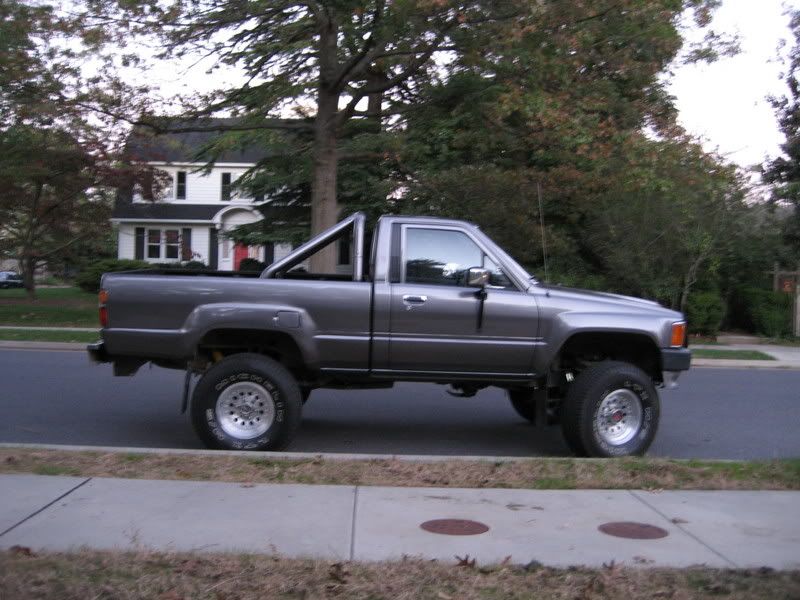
557 528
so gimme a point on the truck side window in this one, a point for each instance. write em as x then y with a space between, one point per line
439 256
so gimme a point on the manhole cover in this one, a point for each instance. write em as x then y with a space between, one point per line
633 531
455 527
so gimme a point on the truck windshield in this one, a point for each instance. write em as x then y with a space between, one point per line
516 269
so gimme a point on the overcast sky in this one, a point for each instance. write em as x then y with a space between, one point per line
725 103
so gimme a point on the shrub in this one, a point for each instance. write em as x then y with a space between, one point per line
89 277
704 311
770 313
195 265
251 265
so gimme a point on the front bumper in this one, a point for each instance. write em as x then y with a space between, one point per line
676 359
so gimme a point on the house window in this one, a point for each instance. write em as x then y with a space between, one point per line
226 186
163 247
180 185
153 243
173 243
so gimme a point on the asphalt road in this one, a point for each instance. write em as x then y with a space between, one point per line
61 398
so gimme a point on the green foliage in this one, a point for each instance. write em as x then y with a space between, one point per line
769 312
784 172
704 313
761 311
89 278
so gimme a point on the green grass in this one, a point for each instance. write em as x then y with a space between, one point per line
731 354
57 307
30 335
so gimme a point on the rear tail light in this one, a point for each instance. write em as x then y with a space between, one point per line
102 299
678 335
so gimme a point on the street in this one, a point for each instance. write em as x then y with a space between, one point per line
61 398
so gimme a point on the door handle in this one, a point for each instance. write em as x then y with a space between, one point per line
409 299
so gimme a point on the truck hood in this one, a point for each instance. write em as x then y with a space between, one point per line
613 301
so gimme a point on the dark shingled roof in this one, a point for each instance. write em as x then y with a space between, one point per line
159 210
144 145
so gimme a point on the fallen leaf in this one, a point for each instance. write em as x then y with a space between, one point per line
22 551
533 565
337 572
465 562
678 521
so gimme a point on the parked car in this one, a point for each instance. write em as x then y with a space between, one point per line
430 300
9 279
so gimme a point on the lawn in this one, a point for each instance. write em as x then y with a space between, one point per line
731 354
81 574
57 307
33 335
533 473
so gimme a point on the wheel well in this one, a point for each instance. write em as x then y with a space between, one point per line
275 344
582 349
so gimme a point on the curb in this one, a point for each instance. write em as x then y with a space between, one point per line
333 456
60 346
731 363
280 455
24 328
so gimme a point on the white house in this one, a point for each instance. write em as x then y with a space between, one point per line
195 209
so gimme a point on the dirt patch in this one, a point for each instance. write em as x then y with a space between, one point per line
88 574
566 473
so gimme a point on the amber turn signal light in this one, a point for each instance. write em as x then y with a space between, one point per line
678 334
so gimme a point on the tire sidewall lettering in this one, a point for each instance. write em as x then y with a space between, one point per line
242 444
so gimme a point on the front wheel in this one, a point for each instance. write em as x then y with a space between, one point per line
246 402
612 409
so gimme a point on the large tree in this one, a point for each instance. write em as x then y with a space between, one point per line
342 59
783 173
55 164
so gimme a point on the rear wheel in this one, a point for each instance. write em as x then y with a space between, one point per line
246 402
612 409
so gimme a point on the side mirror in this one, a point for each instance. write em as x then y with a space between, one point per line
478 277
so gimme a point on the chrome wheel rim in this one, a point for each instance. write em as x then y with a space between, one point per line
619 417
245 410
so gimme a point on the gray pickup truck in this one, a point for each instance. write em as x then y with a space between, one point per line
434 300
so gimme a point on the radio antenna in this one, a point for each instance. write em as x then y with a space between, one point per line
541 224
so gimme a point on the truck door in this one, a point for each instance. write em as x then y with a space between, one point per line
435 316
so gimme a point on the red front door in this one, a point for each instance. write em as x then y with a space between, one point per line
239 253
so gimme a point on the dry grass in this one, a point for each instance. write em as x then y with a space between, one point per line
627 473
105 575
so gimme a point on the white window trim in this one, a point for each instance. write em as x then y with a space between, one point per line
162 246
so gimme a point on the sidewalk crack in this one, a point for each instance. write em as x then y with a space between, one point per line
353 525
684 530
46 506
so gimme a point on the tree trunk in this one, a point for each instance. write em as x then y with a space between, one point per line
28 265
324 208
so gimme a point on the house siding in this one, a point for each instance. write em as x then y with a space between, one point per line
201 188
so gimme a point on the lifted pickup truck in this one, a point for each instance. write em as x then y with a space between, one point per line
436 300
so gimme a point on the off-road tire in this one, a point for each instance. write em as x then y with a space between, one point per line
243 369
580 420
